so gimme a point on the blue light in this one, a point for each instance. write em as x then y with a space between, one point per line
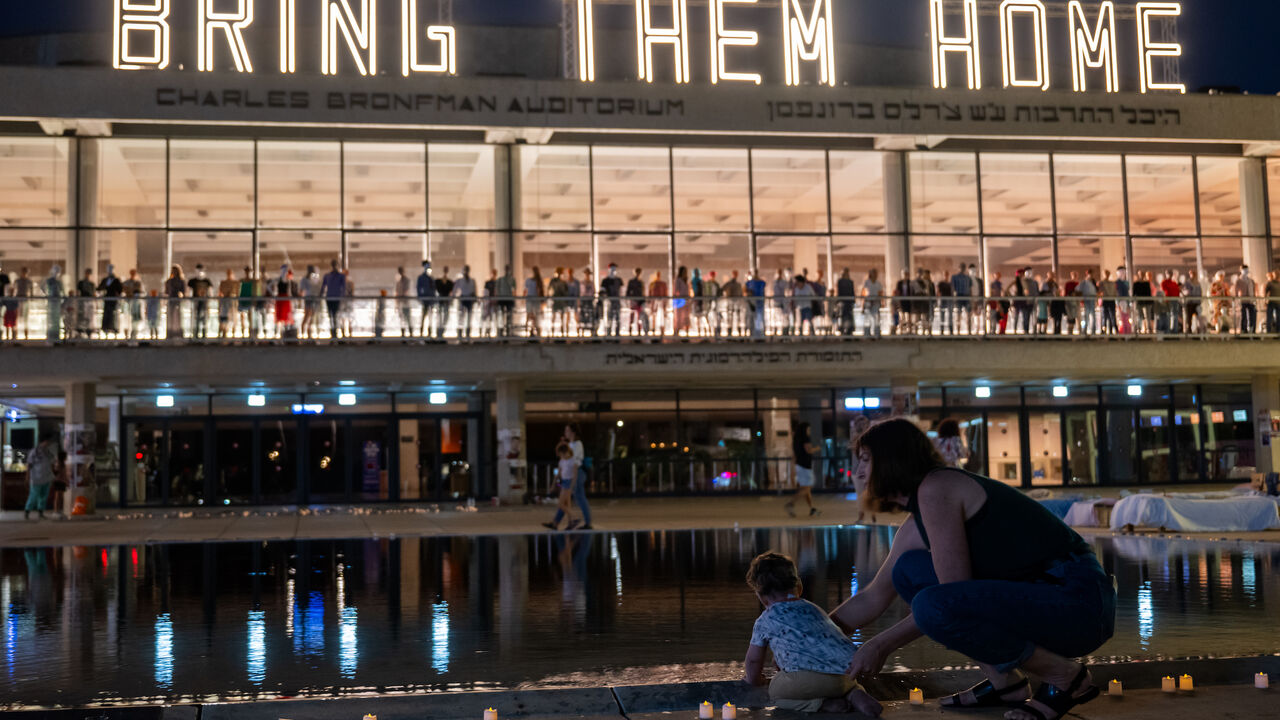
440 637
1249 578
871 403
1240 415
309 639
308 409
164 651
1146 615
854 403
348 651
257 659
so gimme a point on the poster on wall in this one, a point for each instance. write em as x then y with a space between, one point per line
372 475
80 442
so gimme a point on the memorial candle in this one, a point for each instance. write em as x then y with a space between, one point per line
1168 685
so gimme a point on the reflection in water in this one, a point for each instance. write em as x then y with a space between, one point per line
164 651
256 662
274 619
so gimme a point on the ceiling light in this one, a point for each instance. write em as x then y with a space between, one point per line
1060 391
164 401
1135 391
982 391
347 399
257 400
438 398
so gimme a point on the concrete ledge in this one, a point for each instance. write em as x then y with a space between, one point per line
443 706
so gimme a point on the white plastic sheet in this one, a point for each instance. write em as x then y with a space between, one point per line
1191 514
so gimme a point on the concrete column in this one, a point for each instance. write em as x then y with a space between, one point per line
85 252
410 480
79 439
1112 255
1253 217
807 257
506 179
897 217
777 442
511 453
1266 414
905 397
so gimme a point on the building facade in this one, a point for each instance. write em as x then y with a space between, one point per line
163 151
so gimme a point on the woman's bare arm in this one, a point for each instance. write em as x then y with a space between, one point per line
876 598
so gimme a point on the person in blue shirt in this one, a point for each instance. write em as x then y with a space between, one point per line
333 286
962 288
426 289
755 290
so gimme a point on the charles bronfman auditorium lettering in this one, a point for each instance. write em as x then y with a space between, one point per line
351 41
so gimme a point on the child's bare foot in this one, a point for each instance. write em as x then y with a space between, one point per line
835 705
864 703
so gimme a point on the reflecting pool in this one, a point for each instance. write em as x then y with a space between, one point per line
232 620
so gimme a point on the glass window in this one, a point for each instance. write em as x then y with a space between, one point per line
384 184
278 454
554 182
326 457
1045 438
791 254
1159 257
1161 195
714 252
211 183
651 254
547 251
1224 255
1008 255
219 252
1090 194
712 189
1220 195
462 189
124 182
297 249
1081 254
632 188
859 254
936 254
1273 190
34 181
299 184
233 443
451 251
237 403
857 191
375 257
187 463
1082 447
37 251
1016 194
944 192
789 190
1121 447
1004 453
1154 437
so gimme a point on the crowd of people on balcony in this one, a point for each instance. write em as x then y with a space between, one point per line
563 304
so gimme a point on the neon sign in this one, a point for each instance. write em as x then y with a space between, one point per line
348 44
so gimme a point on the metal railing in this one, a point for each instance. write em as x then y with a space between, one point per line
803 318
691 476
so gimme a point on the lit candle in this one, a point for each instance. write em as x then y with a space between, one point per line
917 696
1185 684
370 716
1168 685
729 712
1262 681
490 714
705 711
1115 688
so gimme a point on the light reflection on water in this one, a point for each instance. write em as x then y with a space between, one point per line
320 617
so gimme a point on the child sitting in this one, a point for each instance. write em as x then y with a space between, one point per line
811 652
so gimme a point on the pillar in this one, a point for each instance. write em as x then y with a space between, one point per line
410 479
777 441
806 258
904 398
86 160
1266 422
506 191
897 217
511 454
1253 218
1111 255
79 439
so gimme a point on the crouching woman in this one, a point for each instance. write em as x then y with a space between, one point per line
987 572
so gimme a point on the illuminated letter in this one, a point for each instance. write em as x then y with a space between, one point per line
231 24
288 37
586 42
966 44
141 17
444 34
1148 49
1035 9
677 37
809 40
1096 49
359 36
722 38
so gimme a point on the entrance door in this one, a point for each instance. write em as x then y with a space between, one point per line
1082 447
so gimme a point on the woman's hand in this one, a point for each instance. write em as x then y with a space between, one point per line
868 660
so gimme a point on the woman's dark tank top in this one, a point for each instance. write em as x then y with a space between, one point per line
1011 537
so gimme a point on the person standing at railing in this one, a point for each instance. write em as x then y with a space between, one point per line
1088 292
638 323
819 286
201 288
465 290
132 291
698 318
803 293
1191 290
573 306
1071 305
333 286
309 286
286 289
505 290
1110 316
711 292
228 289
901 305
24 289
680 303
872 301
1126 309
755 289
1173 304
927 293
962 288
153 314
533 302
1057 306
558 291
53 293
658 302
347 310
1272 293
444 295
250 291
846 291
425 289
1020 290
86 291
1220 294
380 314
1247 291
946 306
1146 308
588 316
489 305
610 294
175 288
781 306
997 306
403 309
735 306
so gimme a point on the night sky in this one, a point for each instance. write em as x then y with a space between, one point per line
1227 43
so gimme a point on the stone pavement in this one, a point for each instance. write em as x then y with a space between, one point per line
281 523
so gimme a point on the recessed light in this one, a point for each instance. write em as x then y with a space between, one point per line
982 391
164 401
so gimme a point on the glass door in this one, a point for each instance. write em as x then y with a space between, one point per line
326 453
370 458
1154 438
1082 446
234 455
1044 435
1004 452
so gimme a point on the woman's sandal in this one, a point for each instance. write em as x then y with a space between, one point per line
1060 702
986 695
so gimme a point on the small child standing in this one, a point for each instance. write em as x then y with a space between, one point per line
811 652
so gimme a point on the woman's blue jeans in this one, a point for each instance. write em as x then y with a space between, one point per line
1000 622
